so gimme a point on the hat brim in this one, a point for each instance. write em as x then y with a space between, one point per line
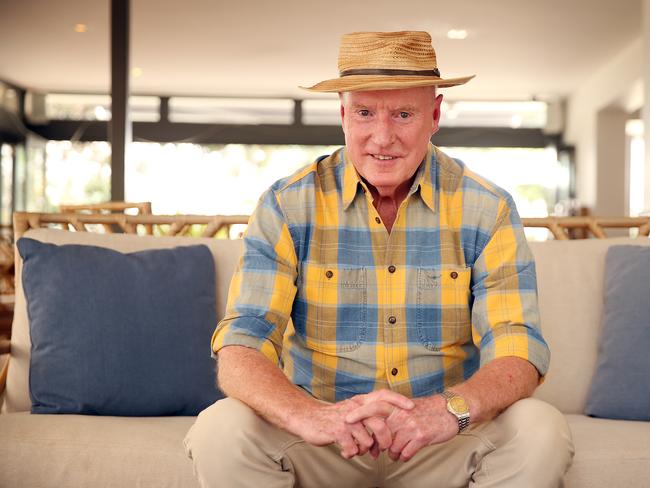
376 82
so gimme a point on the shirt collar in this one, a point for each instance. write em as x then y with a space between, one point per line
424 178
351 181
427 177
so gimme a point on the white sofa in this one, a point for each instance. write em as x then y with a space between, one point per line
87 451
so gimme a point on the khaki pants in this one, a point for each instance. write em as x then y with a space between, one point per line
528 445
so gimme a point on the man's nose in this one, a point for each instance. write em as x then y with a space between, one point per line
383 134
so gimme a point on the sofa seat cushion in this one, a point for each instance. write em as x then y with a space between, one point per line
608 452
81 451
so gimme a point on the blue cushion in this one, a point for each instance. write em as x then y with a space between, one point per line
119 334
620 388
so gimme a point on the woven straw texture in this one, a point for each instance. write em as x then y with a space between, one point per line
404 50
394 50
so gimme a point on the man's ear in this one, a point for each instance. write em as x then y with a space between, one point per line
342 111
436 114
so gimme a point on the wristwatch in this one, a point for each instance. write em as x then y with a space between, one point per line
458 406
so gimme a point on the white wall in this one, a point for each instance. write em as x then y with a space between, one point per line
646 109
612 168
614 86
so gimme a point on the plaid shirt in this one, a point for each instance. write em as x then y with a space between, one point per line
450 288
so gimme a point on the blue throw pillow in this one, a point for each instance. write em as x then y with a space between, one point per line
119 334
620 388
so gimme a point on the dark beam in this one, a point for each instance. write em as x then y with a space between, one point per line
120 132
489 137
14 170
297 112
164 110
12 127
238 134
67 130
281 134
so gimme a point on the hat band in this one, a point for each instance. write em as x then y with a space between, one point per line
391 72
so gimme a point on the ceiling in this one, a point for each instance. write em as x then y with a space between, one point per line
519 49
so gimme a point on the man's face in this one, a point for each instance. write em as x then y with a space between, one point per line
387 133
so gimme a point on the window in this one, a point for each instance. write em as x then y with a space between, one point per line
231 110
321 112
535 178
493 114
220 179
77 173
6 181
62 106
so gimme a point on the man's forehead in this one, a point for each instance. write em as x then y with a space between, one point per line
405 96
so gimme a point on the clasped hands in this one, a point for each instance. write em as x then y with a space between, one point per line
378 421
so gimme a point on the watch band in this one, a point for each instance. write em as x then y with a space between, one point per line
463 423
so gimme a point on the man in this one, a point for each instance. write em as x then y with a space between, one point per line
412 293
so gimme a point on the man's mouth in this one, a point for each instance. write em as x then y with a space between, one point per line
383 157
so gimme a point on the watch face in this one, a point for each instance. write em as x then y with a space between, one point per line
458 405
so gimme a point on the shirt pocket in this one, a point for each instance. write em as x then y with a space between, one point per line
331 316
443 315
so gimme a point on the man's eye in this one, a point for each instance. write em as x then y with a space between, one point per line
404 115
364 113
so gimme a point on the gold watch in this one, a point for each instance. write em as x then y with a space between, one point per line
458 406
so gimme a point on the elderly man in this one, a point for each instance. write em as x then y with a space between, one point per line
415 339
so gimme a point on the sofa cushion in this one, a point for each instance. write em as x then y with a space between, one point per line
225 253
570 283
609 453
620 388
119 334
78 451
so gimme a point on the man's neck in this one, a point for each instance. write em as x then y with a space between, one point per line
387 202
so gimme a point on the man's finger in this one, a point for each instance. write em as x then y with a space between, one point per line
347 445
389 396
357 400
393 398
374 451
395 449
410 450
374 409
362 438
381 432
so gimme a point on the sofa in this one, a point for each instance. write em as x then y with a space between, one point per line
39 450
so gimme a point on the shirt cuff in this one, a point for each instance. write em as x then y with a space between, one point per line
518 340
239 332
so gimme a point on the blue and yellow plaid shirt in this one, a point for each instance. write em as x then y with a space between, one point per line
416 310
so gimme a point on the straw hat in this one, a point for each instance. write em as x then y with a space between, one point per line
386 60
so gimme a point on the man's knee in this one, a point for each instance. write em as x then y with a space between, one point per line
221 427
228 439
536 417
538 427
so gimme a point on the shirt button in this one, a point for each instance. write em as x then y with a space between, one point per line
378 220
391 269
454 275
393 371
392 319
329 274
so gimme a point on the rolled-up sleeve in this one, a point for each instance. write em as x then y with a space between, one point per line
263 287
505 314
